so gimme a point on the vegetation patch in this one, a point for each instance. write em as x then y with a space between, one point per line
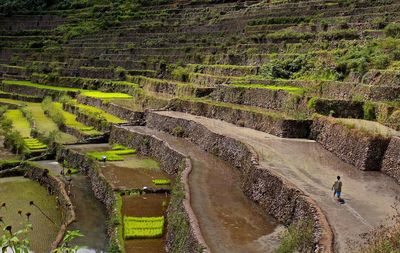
161 181
34 144
143 227
105 95
290 89
111 155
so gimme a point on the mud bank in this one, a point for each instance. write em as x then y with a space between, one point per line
357 147
183 233
275 195
391 160
271 124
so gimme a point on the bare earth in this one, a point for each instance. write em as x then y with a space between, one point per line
369 196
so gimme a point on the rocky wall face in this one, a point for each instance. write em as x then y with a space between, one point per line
255 120
361 149
391 160
265 98
33 91
276 196
339 108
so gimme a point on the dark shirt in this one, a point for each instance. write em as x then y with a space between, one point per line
337 186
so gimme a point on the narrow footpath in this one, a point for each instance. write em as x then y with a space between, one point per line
229 221
369 196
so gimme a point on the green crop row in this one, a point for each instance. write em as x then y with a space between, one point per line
34 144
161 181
143 227
111 155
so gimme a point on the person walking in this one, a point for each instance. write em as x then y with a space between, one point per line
337 188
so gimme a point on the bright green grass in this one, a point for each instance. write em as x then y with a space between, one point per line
10 101
104 95
111 155
161 181
109 117
290 89
118 147
34 144
45 125
19 122
143 227
70 120
40 86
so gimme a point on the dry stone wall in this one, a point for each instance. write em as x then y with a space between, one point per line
268 123
391 160
359 148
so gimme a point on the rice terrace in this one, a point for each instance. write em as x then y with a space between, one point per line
199 126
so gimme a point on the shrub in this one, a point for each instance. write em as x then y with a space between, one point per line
181 74
369 111
312 103
285 68
393 30
297 238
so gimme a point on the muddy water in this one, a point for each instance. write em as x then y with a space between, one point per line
147 205
369 195
16 192
135 172
229 221
90 212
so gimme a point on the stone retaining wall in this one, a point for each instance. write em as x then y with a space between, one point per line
265 98
269 123
34 91
391 160
180 213
275 195
361 149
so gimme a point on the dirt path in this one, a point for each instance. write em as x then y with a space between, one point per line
229 221
369 196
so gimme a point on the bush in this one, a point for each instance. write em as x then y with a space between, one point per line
297 238
181 74
286 68
393 30
369 111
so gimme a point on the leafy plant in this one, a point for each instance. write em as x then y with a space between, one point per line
65 245
161 181
297 238
393 30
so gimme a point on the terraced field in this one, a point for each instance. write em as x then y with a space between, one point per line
226 122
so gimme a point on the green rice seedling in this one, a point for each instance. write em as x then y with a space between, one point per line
118 147
143 227
112 155
104 95
161 181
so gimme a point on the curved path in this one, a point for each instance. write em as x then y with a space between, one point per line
369 196
229 221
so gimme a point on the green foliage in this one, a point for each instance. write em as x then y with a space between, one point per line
393 30
34 144
65 247
161 181
16 241
143 227
53 111
287 68
369 111
104 95
181 74
312 103
297 238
